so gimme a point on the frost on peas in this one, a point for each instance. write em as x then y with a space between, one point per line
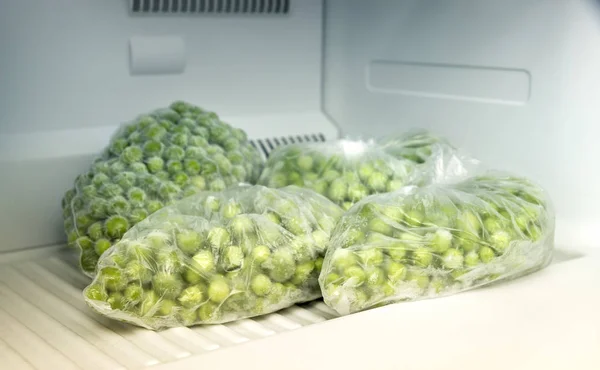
116 226
118 205
132 154
217 185
153 206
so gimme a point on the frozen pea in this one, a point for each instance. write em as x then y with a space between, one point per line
422 257
499 241
486 254
167 285
96 292
353 236
452 259
419 277
149 303
101 246
133 293
189 241
331 175
337 190
219 237
321 239
354 276
204 262
377 182
260 253
394 185
343 259
305 162
241 225
166 307
302 273
414 217
218 290
283 266
96 231
319 264
192 296
371 256
441 240
375 276
472 259
138 271
261 285
116 301
232 258
231 209
112 278
296 225
365 171
469 222
380 226
396 271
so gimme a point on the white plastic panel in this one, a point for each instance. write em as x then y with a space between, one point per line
447 81
65 64
514 82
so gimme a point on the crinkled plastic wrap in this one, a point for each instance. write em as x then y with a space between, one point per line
437 160
437 240
345 171
156 159
414 145
215 257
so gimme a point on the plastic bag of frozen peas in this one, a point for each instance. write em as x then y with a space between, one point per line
437 240
215 257
345 171
156 159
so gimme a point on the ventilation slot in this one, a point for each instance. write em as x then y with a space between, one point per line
266 146
273 7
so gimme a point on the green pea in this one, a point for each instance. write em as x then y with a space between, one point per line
261 285
167 285
189 241
218 290
192 296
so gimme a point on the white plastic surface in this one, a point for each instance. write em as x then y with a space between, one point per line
157 55
515 82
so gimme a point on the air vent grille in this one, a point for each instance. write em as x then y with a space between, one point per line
266 146
273 7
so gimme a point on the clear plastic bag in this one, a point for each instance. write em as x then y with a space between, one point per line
215 257
345 171
436 240
156 159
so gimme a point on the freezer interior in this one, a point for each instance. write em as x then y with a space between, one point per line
514 82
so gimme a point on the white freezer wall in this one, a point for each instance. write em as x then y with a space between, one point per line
65 85
515 82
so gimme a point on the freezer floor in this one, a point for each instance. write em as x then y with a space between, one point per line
45 324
